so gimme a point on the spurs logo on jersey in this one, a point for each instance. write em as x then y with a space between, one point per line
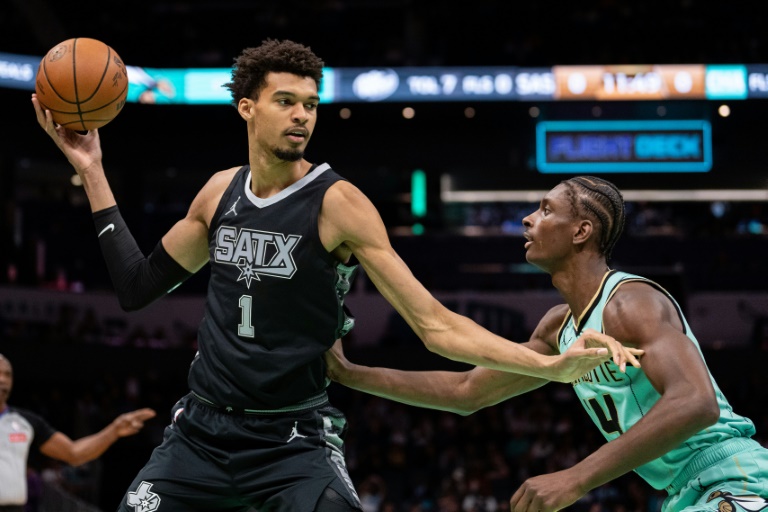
144 500
256 253
734 502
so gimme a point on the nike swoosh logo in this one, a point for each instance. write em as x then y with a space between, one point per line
110 227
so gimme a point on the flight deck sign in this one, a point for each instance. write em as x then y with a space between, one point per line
623 146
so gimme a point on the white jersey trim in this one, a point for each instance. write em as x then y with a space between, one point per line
262 203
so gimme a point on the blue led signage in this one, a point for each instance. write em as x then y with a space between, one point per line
623 146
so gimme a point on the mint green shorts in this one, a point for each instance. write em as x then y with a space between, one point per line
736 483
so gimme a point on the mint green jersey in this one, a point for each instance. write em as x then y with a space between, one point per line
616 401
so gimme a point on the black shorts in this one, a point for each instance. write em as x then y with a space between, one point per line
214 460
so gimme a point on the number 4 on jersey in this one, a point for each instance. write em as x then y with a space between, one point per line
608 422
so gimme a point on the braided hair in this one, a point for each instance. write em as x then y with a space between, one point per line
600 200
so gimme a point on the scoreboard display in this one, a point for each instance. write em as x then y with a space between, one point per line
629 82
448 84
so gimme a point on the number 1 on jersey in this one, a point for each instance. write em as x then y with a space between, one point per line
245 328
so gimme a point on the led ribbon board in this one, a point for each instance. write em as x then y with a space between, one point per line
623 146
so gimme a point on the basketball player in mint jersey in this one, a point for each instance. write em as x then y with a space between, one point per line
668 420
280 233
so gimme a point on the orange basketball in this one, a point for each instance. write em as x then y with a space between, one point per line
83 82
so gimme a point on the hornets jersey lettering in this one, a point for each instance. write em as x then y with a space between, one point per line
615 401
275 299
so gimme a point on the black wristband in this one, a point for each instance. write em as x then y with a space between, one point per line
138 280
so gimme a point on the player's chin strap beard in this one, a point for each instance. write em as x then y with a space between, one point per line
288 155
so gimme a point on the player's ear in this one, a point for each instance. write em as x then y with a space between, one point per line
584 231
245 108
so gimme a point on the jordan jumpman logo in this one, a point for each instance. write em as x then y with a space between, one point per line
294 432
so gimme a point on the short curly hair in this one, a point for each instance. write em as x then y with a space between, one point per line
249 73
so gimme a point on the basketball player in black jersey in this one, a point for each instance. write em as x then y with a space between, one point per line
256 430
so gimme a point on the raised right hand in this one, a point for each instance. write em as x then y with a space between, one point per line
82 150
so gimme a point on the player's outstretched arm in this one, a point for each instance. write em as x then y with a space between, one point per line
349 219
460 392
88 448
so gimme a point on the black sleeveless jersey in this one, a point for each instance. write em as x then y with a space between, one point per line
275 297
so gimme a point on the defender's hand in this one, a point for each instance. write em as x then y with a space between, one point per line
336 362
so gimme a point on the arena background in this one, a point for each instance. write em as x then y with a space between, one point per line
79 360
